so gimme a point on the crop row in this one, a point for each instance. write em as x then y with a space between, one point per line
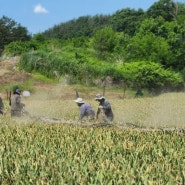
60 154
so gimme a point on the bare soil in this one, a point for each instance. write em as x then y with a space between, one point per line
10 73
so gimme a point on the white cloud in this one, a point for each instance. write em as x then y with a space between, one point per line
39 9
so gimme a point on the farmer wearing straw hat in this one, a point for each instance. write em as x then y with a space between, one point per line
104 108
85 109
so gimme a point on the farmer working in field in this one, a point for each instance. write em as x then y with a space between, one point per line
85 109
1 105
15 103
104 108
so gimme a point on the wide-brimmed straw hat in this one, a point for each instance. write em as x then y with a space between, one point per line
79 100
99 97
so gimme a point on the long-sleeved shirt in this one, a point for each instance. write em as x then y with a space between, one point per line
16 104
107 109
86 110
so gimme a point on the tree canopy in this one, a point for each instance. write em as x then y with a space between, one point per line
11 31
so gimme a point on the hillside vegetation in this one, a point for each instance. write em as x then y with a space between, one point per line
145 53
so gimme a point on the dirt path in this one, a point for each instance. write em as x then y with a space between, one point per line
10 73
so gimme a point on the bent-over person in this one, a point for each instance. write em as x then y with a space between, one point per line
104 108
85 110
16 104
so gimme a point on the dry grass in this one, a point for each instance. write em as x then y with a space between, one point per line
166 110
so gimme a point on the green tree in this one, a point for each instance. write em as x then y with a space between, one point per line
104 41
180 12
165 8
148 47
11 31
84 26
127 20
159 41
176 39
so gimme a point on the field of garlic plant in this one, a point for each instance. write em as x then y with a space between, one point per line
33 152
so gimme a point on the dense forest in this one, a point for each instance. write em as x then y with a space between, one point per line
134 48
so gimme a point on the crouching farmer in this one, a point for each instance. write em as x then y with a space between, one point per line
104 108
85 109
15 103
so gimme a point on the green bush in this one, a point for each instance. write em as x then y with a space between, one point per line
149 75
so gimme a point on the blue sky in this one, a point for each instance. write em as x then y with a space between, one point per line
40 15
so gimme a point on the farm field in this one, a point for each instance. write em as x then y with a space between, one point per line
35 152
165 110
60 154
